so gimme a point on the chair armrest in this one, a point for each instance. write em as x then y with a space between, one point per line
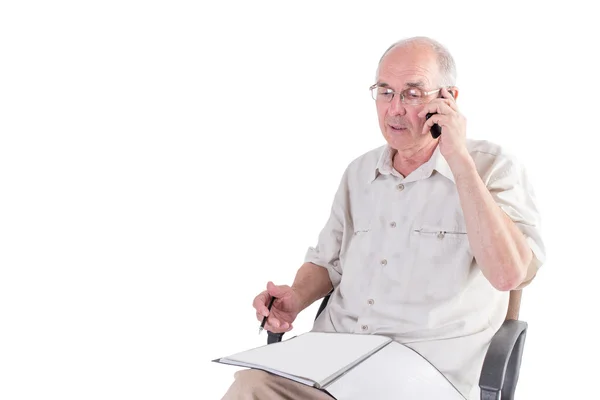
500 370
274 337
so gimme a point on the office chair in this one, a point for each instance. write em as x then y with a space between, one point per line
500 371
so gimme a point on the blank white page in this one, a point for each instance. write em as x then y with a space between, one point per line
315 356
395 372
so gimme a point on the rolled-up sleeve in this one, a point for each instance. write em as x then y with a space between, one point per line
511 189
327 251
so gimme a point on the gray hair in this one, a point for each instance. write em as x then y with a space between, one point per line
444 58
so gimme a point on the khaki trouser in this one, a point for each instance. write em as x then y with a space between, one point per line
253 384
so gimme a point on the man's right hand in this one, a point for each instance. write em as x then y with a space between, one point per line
284 311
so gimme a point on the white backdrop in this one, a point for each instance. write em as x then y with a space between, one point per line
161 161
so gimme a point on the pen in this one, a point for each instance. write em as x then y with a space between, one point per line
264 321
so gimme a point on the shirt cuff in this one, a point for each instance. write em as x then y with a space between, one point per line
332 266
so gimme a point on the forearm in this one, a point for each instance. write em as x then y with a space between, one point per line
312 282
499 247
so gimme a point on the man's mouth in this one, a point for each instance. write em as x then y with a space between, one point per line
397 127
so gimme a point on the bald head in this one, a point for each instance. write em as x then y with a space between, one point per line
425 47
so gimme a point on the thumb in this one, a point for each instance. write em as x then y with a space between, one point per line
277 291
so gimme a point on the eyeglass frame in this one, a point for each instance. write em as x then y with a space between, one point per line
402 98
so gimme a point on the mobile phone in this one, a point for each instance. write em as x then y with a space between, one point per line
436 130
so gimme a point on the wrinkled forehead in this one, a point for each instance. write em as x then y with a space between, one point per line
409 67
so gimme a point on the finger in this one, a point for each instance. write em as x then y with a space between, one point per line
448 97
260 302
446 94
285 327
259 317
450 103
269 327
274 322
278 329
437 106
273 329
434 119
277 291
278 324
441 120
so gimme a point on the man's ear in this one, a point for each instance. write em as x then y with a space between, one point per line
453 91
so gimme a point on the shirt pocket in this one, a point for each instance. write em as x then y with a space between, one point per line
442 259
427 231
362 226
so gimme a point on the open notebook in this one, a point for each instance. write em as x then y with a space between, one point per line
350 366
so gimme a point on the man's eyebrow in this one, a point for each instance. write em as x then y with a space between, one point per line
416 84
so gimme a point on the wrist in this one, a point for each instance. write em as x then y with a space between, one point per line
298 297
312 282
461 163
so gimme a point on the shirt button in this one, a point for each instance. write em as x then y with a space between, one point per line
384 262
371 302
441 235
400 187
364 327
393 224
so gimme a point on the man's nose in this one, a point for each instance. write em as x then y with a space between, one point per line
396 106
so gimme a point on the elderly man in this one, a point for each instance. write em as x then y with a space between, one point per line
427 235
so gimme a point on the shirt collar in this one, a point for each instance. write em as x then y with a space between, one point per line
441 165
437 162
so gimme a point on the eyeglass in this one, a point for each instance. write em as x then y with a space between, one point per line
412 96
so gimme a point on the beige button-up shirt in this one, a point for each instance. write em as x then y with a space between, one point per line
398 256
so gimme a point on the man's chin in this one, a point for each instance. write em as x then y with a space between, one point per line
403 135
